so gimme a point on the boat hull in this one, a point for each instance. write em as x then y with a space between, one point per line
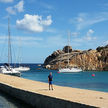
13 74
69 70
22 69
9 71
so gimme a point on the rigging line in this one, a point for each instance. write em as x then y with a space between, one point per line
3 49
9 44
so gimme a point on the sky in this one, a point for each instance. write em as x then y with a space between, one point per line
40 27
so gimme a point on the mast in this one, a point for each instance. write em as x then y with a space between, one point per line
9 44
68 45
19 53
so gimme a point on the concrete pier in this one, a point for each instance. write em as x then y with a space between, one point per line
37 94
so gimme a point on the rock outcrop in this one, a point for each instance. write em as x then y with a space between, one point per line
87 60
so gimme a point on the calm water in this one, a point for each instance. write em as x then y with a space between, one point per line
83 80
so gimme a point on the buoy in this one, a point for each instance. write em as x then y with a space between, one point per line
58 72
93 75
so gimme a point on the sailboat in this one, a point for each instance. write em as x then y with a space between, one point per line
20 67
69 69
7 68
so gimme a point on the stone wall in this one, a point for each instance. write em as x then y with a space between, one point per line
39 100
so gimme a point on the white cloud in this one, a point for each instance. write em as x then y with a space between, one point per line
47 6
84 19
51 30
57 40
6 1
89 36
33 23
105 43
75 34
50 41
11 10
47 22
90 32
17 8
80 19
78 40
23 40
26 38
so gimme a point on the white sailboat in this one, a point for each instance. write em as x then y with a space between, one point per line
69 69
7 68
20 67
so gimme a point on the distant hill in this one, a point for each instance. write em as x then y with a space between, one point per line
87 60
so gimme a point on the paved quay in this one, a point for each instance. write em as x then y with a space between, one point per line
37 94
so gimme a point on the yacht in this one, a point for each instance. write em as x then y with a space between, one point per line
7 68
69 69
22 68
9 71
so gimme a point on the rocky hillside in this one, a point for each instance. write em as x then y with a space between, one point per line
87 60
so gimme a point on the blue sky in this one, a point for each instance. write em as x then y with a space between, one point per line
39 27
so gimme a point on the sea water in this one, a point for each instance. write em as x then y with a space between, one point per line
92 80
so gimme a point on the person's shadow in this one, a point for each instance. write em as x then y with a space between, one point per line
42 90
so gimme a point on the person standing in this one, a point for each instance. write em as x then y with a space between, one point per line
50 78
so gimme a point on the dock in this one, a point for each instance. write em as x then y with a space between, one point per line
38 95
